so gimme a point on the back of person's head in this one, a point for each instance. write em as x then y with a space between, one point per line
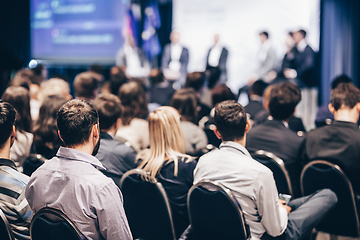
117 79
167 140
258 88
265 33
156 76
19 98
195 80
266 96
302 32
7 121
283 100
23 78
38 71
185 101
230 120
54 86
221 93
85 85
75 121
134 101
45 129
109 109
345 95
340 79
96 68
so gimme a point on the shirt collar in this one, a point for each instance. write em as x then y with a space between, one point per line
286 124
301 45
7 162
234 145
76 155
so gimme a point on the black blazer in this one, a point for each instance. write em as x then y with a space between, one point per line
273 136
166 58
222 59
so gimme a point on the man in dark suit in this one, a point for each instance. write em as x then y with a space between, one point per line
175 59
275 136
116 157
255 94
216 62
339 142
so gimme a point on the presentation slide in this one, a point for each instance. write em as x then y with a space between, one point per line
77 31
239 22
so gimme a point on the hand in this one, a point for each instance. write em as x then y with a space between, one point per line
271 75
283 204
290 73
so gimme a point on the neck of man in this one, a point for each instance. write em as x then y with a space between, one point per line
5 150
241 141
346 115
86 148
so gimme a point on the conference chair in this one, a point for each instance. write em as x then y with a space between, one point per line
215 213
5 229
277 166
343 219
50 223
146 206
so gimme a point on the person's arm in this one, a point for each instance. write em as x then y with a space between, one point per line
165 57
113 224
274 217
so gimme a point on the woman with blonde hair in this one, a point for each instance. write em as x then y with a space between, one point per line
166 161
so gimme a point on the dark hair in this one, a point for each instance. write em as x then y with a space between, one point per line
185 101
23 78
340 79
230 120
283 100
156 76
109 109
195 80
75 121
302 32
345 94
96 68
117 79
84 85
221 93
134 101
258 87
19 98
45 129
7 121
266 34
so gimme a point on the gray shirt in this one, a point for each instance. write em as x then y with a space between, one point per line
71 183
251 183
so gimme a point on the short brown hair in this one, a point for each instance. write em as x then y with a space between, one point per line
345 94
185 101
84 85
109 109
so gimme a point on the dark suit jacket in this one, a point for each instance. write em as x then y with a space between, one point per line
166 58
222 59
116 157
273 136
253 108
338 143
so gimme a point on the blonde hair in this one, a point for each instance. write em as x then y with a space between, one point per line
167 142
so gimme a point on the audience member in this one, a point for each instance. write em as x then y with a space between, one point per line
19 98
221 93
85 86
166 161
216 63
161 91
255 95
275 136
71 181
115 156
117 79
175 59
253 184
134 126
196 80
339 142
295 123
54 86
12 183
185 101
324 116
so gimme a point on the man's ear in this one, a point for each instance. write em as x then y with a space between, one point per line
248 125
60 136
217 133
12 135
118 123
331 108
358 106
96 131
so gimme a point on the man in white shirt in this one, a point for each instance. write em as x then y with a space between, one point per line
175 59
253 184
216 62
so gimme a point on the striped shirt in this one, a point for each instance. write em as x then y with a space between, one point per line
12 199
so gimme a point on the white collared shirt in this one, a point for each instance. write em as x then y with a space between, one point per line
214 55
252 184
301 45
264 48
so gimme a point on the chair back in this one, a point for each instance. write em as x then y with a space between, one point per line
215 213
5 229
343 219
50 223
277 166
146 206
